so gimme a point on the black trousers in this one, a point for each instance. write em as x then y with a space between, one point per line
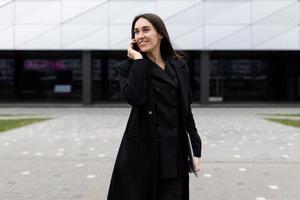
170 188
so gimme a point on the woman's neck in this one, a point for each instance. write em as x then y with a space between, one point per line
156 58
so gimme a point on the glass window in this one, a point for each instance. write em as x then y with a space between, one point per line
239 79
195 79
194 63
114 92
105 76
97 80
51 80
7 71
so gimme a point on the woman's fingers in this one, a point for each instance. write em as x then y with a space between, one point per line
131 53
130 44
197 162
129 50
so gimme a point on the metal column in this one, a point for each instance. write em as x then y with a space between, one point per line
86 77
204 77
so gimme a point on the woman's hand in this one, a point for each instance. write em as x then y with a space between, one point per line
131 53
197 163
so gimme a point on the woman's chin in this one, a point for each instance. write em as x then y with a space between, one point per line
143 50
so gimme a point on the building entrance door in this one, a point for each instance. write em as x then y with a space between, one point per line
298 89
216 89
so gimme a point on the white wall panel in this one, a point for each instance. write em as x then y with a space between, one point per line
26 33
48 40
192 24
275 24
171 0
263 8
217 33
71 34
73 8
164 11
299 37
124 11
298 8
38 12
190 41
94 16
119 36
4 2
240 40
185 22
191 17
286 40
6 13
6 37
227 12
95 40
84 24
122 45
176 31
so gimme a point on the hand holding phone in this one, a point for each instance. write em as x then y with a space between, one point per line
133 50
134 45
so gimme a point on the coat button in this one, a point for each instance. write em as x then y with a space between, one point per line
157 89
175 129
150 112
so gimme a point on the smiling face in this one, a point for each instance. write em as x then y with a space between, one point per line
146 36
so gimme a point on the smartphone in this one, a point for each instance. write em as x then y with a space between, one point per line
135 46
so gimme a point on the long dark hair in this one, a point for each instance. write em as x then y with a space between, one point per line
166 49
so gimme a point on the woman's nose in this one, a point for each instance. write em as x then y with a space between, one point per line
140 35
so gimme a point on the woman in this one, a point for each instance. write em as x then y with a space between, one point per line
152 162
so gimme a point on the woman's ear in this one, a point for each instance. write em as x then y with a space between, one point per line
161 36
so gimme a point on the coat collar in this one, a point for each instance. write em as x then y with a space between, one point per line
168 74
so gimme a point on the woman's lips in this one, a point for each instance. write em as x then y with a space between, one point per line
142 43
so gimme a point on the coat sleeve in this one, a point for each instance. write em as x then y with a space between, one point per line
191 127
133 80
192 130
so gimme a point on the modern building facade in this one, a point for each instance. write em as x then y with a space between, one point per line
68 50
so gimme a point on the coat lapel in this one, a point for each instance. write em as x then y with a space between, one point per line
164 75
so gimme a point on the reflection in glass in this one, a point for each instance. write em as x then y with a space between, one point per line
97 80
239 80
7 71
114 92
51 80
195 79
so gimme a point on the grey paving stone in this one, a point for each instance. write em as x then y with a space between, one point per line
71 156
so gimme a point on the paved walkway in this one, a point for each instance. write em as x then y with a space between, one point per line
71 156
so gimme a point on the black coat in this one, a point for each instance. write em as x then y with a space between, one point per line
165 96
136 171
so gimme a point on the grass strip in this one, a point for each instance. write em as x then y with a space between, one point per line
16 115
288 122
8 124
283 115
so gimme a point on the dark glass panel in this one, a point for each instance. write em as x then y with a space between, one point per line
51 80
114 92
7 71
239 80
195 79
97 80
